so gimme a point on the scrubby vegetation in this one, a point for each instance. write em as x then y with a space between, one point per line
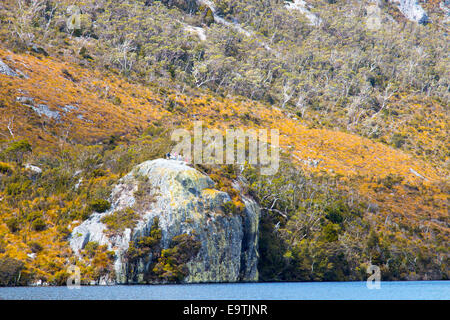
363 119
118 221
224 176
145 247
167 265
341 74
11 272
38 211
171 265
313 230
96 264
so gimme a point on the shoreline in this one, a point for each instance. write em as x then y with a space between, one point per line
223 283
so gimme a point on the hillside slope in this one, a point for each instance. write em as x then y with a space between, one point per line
406 197
362 115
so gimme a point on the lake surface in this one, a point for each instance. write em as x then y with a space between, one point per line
410 290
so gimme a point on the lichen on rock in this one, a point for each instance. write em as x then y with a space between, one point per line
184 202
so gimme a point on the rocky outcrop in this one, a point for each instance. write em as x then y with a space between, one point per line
185 202
40 109
199 32
235 24
304 8
6 70
412 10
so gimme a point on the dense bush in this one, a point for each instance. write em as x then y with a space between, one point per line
99 205
5 168
311 231
390 85
167 265
171 264
144 248
35 247
118 221
100 262
13 224
16 150
339 74
38 224
11 271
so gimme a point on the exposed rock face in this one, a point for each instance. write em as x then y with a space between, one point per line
6 70
44 110
40 109
412 10
185 202
304 8
200 32
33 169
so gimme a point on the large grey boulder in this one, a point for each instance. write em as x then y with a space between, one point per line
185 202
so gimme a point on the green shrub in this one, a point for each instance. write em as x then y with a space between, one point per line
271 247
57 180
60 278
373 241
5 168
38 225
63 232
90 248
398 140
391 180
35 247
2 246
17 188
84 214
337 211
331 232
116 101
99 205
13 224
143 246
153 131
98 173
208 17
16 150
231 208
120 220
171 264
10 271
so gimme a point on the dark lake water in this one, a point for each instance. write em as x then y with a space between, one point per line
411 290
